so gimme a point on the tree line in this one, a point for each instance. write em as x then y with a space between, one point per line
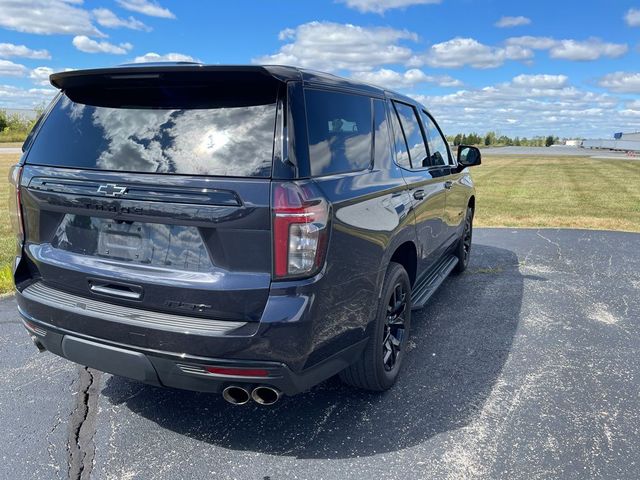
494 139
15 127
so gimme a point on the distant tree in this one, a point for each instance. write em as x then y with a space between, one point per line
3 120
550 140
457 140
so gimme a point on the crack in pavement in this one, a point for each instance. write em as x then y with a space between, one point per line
82 425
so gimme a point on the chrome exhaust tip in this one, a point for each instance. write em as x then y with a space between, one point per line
236 395
265 395
41 348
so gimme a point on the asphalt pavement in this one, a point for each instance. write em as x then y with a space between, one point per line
526 366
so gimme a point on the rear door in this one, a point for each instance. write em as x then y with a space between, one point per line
425 187
155 197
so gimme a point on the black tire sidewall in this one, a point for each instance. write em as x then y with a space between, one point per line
395 273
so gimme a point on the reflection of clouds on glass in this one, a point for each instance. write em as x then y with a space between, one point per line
76 110
223 141
413 135
133 139
347 153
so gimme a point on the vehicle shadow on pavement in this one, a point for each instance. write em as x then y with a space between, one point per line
459 345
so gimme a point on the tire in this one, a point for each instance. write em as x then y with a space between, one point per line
463 249
380 363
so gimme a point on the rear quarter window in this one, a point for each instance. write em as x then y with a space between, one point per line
340 131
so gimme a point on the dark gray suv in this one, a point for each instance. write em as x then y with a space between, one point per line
249 230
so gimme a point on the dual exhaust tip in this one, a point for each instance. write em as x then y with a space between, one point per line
239 395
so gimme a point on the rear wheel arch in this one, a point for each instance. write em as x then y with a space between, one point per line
406 255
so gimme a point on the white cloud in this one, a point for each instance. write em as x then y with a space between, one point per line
107 18
380 6
530 105
40 75
632 17
591 49
569 49
88 45
541 81
168 57
335 46
459 52
10 69
46 17
621 82
534 43
146 7
508 22
16 97
11 50
392 79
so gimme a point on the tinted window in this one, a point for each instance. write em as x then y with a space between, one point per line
339 127
402 152
382 140
438 151
412 135
231 139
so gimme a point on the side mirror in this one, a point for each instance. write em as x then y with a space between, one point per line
469 156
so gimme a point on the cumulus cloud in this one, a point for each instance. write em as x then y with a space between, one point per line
569 49
335 46
621 82
381 6
167 57
88 45
16 97
107 18
632 17
529 105
459 52
541 81
146 7
11 50
410 78
40 75
591 49
10 69
46 17
508 22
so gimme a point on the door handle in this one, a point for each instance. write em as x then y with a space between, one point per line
448 184
418 194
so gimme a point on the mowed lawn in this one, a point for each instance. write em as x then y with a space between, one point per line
568 192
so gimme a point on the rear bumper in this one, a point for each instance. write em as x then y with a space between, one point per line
96 341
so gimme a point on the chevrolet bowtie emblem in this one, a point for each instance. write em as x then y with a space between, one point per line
111 190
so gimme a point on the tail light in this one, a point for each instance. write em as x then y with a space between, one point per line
15 210
300 230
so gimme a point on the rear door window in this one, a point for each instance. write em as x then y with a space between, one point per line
229 137
340 131
438 149
413 135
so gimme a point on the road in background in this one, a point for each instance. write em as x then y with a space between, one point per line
526 366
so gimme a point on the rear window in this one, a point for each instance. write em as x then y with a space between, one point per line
227 137
339 127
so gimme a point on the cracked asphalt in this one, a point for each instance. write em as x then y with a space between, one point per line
527 366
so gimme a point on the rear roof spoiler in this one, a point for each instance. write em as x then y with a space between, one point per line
171 73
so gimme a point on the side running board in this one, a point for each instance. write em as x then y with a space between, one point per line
427 285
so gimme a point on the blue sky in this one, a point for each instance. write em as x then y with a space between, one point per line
570 68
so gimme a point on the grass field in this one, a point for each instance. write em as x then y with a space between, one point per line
570 192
